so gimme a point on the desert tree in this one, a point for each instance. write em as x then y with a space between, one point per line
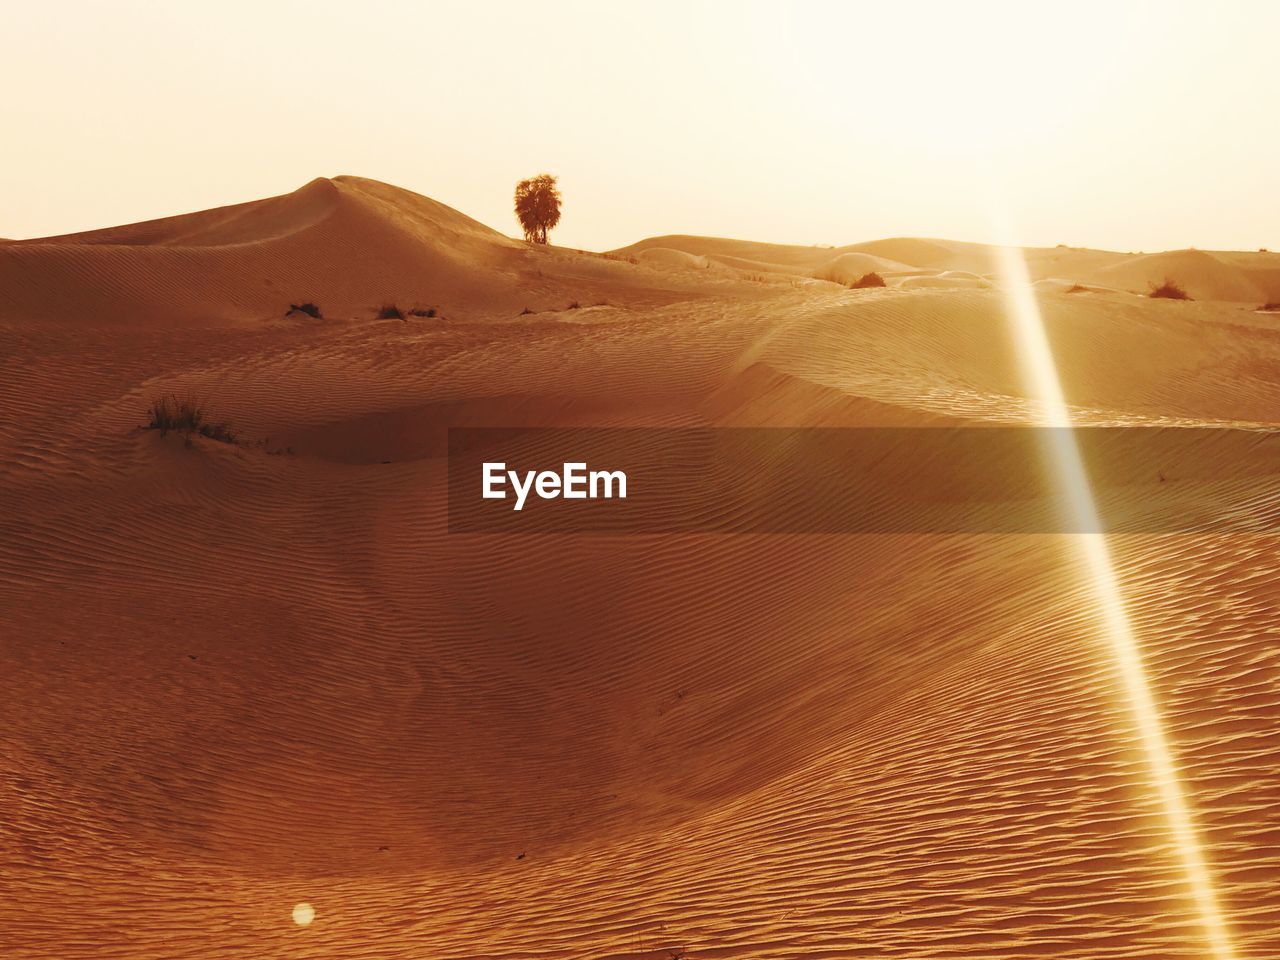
537 206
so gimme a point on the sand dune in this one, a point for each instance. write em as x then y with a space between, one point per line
849 267
331 242
237 677
779 254
1252 278
1203 275
670 257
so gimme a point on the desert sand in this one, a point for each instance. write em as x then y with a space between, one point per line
235 678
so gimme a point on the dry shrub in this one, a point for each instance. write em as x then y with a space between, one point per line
186 415
310 309
1169 290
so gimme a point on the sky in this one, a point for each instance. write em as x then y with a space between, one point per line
1129 124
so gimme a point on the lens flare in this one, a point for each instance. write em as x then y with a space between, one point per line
1043 386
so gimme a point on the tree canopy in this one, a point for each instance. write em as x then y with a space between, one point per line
537 206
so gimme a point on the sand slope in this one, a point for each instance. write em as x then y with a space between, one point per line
233 678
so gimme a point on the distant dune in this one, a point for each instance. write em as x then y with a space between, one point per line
1203 275
236 677
670 257
849 267
775 253
1237 277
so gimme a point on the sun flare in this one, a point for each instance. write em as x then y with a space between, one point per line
1044 387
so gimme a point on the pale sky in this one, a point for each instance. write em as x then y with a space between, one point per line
1126 124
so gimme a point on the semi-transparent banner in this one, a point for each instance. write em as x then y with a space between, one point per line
861 480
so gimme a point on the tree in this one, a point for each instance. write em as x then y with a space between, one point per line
537 206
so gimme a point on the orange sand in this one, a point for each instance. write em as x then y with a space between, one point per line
238 678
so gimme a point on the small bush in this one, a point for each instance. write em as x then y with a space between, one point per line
573 306
310 309
525 312
186 416
1076 288
1169 290
1271 306
421 312
389 311
871 279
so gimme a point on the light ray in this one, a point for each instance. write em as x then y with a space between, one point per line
1044 387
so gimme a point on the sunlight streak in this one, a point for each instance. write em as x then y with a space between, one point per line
1044 387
